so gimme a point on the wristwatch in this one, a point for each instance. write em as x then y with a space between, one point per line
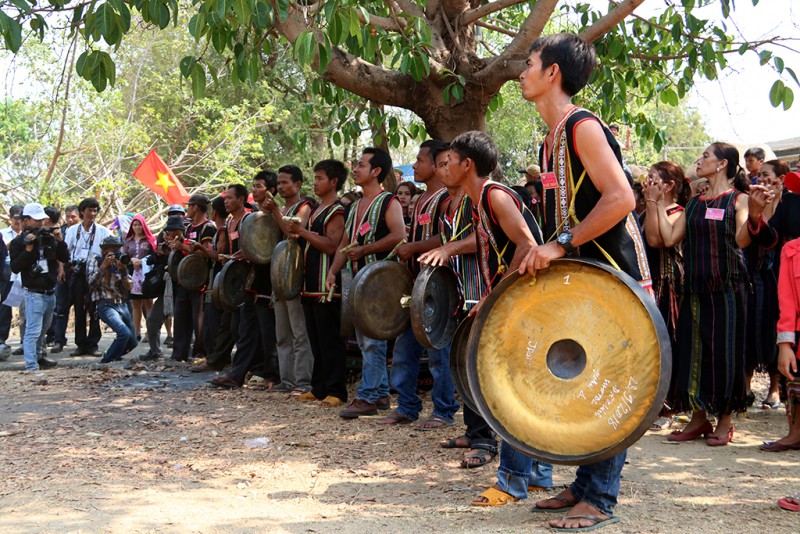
564 240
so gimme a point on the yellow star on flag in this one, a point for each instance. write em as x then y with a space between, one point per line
164 181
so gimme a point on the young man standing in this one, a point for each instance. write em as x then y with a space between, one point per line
580 160
295 358
189 304
83 241
423 236
373 227
322 235
7 277
61 316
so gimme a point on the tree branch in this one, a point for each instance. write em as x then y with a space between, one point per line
392 25
495 28
604 24
487 9
510 63
410 8
353 74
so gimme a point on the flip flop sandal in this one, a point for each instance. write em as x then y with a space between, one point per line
786 504
567 505
599 522
484 457
770 405
442 423
494 497
452 443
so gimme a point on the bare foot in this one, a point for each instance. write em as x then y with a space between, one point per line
571 520
565 500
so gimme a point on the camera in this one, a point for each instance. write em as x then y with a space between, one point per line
120 256
41 235
78 267
165 248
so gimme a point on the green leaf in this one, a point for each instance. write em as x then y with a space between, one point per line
163 20
778 64
336 138
336 28
22 5
283 10
776 93
669 96
458 92
764 56
788 98
324 51
242 9
263 12
793 75
12 32
187 66
219 38
221 8
198 81
304 47
109 67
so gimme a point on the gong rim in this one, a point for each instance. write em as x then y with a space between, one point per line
173 261
458 363
259 234
240 270
636 426
434 306
286 270
346 327
372 297
187 266
215 299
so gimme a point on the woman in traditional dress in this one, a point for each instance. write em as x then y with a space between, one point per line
139 243
666 192
710 368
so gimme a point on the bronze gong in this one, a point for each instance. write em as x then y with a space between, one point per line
458 362
567 367
258 236
435 304
233 283
286 270
173 260
346 328
375 297
193 272
215 286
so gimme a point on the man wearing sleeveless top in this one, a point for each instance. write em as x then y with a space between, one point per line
373 226
587 211
424 236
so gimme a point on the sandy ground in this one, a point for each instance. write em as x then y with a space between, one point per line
154 449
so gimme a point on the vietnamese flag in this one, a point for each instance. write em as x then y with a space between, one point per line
160 179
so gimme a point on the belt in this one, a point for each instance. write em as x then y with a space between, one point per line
42 291
109 301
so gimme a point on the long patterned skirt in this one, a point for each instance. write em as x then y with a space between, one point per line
710 370
762 317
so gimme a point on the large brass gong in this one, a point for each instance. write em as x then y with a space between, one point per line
286 270
375 299
567 366
233 283
458 362
346 328
258 236
215 289
435 304
193 272
173 260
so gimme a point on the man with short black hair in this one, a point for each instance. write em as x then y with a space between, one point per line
110 285
295 359
373 227
35 254
83 241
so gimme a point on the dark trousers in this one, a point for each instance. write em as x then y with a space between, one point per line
188 306
5 312
217 335
58 329
255 348
330 371
479 433
79 299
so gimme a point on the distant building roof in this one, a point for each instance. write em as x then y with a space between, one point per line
786 147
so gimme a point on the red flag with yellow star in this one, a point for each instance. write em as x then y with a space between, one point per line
160 179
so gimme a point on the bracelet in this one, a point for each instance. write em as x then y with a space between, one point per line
651 200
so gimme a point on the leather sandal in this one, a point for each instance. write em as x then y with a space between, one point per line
394 418
453 443
494 497
224 381
566 502
483 456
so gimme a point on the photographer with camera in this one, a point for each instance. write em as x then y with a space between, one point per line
83 241
35 254
110 284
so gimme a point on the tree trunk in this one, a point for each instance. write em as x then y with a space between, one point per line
446 121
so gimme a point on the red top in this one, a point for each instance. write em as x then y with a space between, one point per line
789 291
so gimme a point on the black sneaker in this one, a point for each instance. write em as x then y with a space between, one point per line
149 356
57 348
44 363
169 341
17 352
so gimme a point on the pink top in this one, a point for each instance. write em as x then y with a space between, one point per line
789 292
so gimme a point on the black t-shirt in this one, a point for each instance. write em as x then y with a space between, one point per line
371 228
39 267
316 262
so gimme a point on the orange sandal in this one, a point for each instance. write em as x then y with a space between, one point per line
494 497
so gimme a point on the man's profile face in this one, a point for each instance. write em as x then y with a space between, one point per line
753 164
424 167
259 191
322 184
16 224
232 202
455 168
531 79
362 170
442 165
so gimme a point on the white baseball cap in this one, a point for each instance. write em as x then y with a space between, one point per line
34 210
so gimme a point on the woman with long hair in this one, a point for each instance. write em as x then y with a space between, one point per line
710 332
139 243
405 192
666 193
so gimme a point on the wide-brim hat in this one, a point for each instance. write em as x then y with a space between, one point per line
174 222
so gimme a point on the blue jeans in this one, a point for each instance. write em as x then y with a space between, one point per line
374 378
118 318
405 372
598 483
517 471
39 314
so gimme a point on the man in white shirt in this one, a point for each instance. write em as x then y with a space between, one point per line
7 278
83 241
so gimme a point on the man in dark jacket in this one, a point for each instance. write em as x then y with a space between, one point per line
35 254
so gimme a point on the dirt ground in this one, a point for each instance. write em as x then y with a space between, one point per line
154 449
